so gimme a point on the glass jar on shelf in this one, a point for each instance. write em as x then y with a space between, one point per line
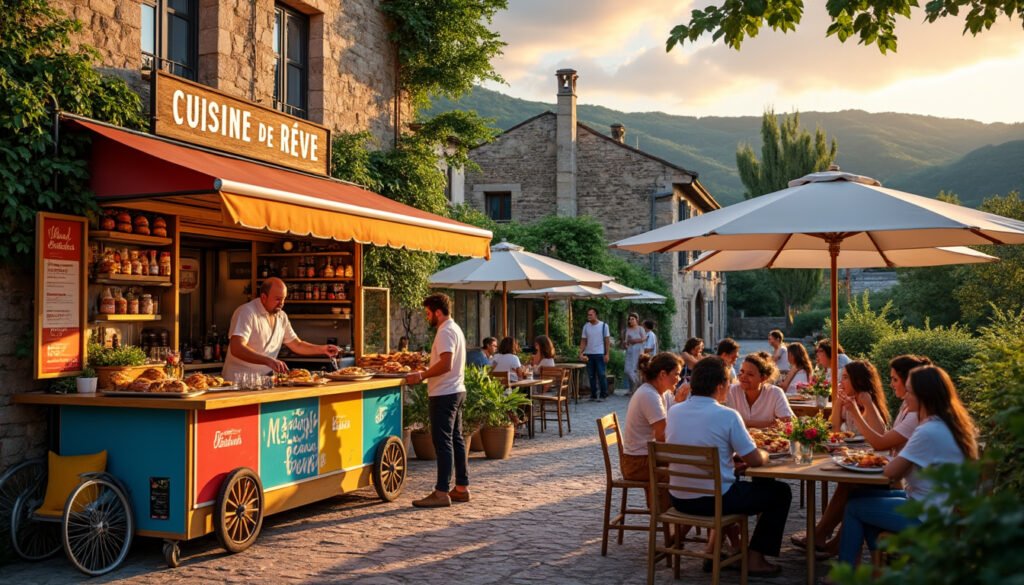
146 305
120 303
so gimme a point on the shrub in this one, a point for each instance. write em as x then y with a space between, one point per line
862 327
949 347
809 322
617 363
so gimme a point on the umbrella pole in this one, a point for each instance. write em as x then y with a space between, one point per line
546 333
833 252
505 308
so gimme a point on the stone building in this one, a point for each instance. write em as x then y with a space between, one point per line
554 164
327 61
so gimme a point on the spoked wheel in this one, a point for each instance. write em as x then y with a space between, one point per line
172 553
389 467
239 513
18 480
33 539
98 526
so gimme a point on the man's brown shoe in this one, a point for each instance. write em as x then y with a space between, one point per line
459 496
434 500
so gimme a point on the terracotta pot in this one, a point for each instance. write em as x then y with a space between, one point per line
423 445
476 444
103 374
497 441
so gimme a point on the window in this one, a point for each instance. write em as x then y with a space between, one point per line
177 39
498 205
467 315
448 182
291 63
684 214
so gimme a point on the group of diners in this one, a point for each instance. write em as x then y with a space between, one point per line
931 428
503 356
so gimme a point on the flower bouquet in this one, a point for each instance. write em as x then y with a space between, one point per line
805 433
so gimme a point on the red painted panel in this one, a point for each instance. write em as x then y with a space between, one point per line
225 440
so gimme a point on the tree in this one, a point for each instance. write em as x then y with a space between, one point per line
873 21
42 71
444 46
787 151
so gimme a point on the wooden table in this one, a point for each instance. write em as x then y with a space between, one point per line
821 469
810 409
575 371
529 384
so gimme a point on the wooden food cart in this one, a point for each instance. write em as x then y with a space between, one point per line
179 467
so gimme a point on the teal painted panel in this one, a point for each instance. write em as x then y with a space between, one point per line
140 444
382 417
289 441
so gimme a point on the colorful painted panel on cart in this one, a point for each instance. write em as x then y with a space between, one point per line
341 432
382 417
289 433
225 440
145 450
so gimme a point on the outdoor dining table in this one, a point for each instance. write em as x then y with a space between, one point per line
529 384
805 408
575 372
822 469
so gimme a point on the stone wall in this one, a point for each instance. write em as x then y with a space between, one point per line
351 61
22 428
755 327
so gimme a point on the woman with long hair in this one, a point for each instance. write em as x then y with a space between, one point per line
861 389
800 368
759 402
507 359
946 434
633 340
693 351
543 354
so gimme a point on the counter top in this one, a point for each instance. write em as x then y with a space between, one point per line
208 401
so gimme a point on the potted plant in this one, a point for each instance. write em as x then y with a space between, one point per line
86 383
496 408
472 415
417 418
107 360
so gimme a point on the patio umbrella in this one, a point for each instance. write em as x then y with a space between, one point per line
726 260
645 297
833 213
607 290
511 267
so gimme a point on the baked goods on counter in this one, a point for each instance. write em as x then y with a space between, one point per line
197 381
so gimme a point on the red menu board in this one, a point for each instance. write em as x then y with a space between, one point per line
225 440
60 294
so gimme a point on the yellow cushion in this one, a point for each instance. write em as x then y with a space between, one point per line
63 474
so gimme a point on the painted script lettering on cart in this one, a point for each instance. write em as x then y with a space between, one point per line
289 441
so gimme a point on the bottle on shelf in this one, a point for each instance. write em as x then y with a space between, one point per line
264 269
328 269
208 344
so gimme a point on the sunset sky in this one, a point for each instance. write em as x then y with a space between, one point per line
618 49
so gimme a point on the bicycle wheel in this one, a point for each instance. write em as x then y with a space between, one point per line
33 539
15 481
98 526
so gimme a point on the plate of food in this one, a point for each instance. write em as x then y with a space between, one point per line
350 374
147 388
800 398
861 461
392 369
776 445
854 439
837 437
300 377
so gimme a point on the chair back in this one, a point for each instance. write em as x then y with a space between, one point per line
667 461
560 386
608 430
503 376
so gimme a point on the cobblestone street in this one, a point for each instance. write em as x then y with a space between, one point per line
534 518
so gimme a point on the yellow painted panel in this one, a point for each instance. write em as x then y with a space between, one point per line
341 432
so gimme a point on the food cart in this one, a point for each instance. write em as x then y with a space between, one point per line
184 464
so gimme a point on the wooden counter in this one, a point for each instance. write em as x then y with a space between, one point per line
208 401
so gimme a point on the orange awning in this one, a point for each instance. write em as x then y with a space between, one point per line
128 165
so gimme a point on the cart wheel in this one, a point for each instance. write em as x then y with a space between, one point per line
172 553
98 526
20 479
32 539
239 513
389 467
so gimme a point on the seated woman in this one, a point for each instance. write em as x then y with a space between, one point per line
860 404
800 368
702 421
693 350
645 417
543 354
759 402
507 359
946 434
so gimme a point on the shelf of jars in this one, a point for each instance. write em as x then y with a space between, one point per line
335 279
294 301
125 238
300 254
132 280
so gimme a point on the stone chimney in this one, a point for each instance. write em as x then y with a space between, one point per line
566 143
619 133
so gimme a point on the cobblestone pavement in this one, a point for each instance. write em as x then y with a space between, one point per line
534 518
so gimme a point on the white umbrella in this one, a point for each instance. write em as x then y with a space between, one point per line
607 290
511 267
832 212
645 297
725 260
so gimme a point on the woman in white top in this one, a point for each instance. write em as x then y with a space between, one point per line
633 339
543 354
645 417
507 360
946 435
800 368
759 402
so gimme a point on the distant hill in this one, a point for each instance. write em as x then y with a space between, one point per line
921 154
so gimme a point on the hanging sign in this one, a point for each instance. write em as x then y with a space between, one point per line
60 318
200 115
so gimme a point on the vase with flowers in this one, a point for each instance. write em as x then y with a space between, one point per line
806 434
819 387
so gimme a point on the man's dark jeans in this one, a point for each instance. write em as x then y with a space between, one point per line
446 432
769 498
596 374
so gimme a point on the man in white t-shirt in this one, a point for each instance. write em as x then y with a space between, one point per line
258 330
447 392
703 422
651 345
777 341
595 344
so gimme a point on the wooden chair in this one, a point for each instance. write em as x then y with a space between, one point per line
700 463
557 394
608 430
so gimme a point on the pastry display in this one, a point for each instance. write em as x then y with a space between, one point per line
153 374
353 371
197 381
413 360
